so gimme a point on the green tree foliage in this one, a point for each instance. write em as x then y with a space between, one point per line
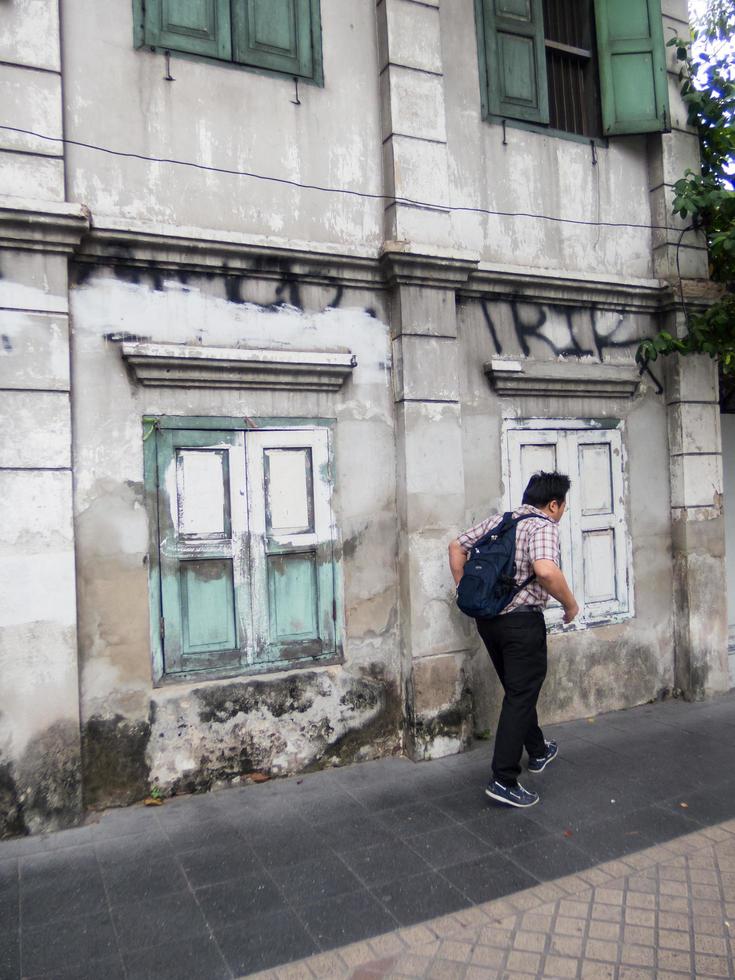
707 199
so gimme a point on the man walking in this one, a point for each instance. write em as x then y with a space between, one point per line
516 638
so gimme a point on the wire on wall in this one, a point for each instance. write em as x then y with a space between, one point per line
344 191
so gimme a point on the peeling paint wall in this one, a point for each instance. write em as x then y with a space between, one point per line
225 116
135 735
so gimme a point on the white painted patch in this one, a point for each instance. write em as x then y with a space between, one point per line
182 314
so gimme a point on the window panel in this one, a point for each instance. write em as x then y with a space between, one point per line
293 595
202 480
595 479
598 554
276 34
207 606
628 19
536 458
289 491
195 26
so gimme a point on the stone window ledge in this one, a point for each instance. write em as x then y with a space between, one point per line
182 366
571 379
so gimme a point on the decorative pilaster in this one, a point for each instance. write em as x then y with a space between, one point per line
415 160
430 498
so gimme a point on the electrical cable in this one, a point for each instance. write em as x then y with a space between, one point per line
348 192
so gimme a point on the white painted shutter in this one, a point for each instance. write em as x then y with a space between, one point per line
291 538
595 554
599 539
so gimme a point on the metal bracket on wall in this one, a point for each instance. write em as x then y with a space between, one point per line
168 77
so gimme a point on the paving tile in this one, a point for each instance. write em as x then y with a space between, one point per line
415 818
60 884
347 919
378 864
348 833
9 890
311 881
82 940
111 968
421 897
505 828
551 857
441 848
139 879
218 862
235 900
160 920
488 878
9 952
195 959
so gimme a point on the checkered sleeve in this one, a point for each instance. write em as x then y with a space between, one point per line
470 537
543 541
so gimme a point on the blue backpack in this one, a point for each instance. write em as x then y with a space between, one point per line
488 581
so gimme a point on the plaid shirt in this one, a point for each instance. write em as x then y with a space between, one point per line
535 539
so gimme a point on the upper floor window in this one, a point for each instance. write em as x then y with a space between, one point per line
589 67
282 36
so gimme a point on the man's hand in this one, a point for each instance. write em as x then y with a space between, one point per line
571 612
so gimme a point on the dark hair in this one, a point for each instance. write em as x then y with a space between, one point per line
544 487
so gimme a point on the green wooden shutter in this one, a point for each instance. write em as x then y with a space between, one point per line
632 58
205 602
277 34
515 58
196 26
292 545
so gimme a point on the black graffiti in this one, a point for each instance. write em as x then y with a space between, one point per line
529 322
7 343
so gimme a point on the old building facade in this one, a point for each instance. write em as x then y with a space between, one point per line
292 291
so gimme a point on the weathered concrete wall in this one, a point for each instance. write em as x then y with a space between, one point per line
592 668
191 735
698 530
228 117
40 773
539 174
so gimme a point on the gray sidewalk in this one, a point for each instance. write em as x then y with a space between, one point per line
242 880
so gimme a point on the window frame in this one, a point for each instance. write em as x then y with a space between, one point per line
316 78
606 95
150 424
573 562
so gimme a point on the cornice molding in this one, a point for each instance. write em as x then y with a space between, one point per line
405 263
567 378
537 286
180 365
201 250
41 226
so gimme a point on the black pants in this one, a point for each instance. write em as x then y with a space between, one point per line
516 643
